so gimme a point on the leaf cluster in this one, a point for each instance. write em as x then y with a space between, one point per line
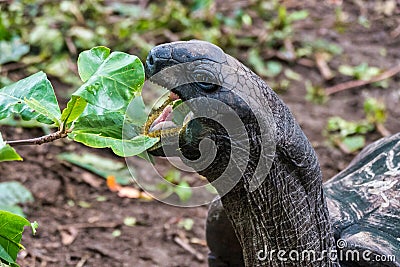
177 185
350 135
97 110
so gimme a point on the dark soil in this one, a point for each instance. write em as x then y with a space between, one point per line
59 189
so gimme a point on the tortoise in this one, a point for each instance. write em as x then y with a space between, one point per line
279 214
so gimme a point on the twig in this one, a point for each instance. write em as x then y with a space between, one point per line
320 59
11 66
88 225
39 140
382 129
70 45
83 260
396 32
189 248
352 84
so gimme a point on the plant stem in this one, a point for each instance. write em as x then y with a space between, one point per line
39 140
352 84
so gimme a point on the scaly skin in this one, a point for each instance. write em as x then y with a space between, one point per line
287 211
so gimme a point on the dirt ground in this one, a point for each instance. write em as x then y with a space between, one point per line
58 186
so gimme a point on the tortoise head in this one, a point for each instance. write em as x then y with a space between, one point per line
230 115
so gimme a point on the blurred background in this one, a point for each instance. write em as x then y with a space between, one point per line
335 63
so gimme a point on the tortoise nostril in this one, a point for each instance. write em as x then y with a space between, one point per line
157 59
151 60
150 65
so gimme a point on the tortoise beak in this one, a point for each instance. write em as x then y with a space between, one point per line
157 59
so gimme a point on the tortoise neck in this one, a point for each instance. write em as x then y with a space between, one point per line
285 220
280 220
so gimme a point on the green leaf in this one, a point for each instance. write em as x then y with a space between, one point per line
346 70
101 166
360 72
130 10
370 72
347 128
34 226
14 193
184 191
35 87
16 122
315 93
268 69
123 148
114 82
274 68
136 111
76 105
324 46
297 15
187 224
49 39
109 124
130 221
354 143
177 185
290 74
38 107
89 61
7 153
12 50
11 228
13 209
201 4
375 110
109 130
116 233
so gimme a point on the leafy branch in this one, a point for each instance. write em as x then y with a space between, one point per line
96 115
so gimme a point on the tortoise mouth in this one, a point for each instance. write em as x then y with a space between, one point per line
162 121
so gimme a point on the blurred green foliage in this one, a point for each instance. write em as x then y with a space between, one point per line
55 32
360 72
350 135
48 35
176 184
315 93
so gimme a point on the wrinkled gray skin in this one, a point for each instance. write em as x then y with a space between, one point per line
288 210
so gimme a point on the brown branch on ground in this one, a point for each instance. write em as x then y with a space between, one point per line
39 140
12 66
352 84
186 246
382 129
89 225
322 64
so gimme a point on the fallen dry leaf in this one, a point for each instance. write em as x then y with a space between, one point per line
112 184
198 241
129 192
126 191
68 236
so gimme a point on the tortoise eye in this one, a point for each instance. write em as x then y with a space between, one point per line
205 80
